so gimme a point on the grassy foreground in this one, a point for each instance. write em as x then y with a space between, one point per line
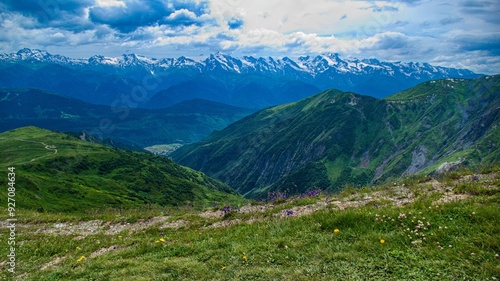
413 229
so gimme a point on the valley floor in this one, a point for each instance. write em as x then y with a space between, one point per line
412 229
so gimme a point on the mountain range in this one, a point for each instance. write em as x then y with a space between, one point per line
185 122
220 109
336 138
256 82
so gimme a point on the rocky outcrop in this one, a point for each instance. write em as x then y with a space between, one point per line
418 160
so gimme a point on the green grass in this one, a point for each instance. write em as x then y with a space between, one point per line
60 173
456 240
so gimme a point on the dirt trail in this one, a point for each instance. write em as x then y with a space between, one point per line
46 146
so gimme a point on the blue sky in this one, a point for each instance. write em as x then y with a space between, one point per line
460 33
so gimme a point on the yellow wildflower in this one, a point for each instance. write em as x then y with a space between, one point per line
336 230
382 241
162 240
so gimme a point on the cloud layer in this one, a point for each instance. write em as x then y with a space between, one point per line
461 33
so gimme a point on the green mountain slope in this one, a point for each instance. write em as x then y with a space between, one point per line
187 122
58 172
335 138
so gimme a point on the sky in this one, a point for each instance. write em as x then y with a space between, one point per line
458 33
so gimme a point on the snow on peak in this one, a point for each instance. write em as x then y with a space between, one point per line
328 63
26 53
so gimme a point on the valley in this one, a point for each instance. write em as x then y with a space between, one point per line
186 122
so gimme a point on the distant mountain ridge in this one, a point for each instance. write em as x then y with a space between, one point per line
337 138
305 65
215 73
186 122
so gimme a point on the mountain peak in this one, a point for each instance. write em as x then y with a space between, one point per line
305 65
223 61
324 71
332 55
37 54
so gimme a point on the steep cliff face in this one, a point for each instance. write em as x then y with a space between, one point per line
448 119
335 138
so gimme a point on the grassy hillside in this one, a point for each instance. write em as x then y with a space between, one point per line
183 123
336 138
59 172
413 229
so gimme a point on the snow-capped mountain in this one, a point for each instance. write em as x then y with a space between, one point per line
182 76
311 65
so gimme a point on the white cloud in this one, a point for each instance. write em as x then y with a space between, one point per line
110 3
